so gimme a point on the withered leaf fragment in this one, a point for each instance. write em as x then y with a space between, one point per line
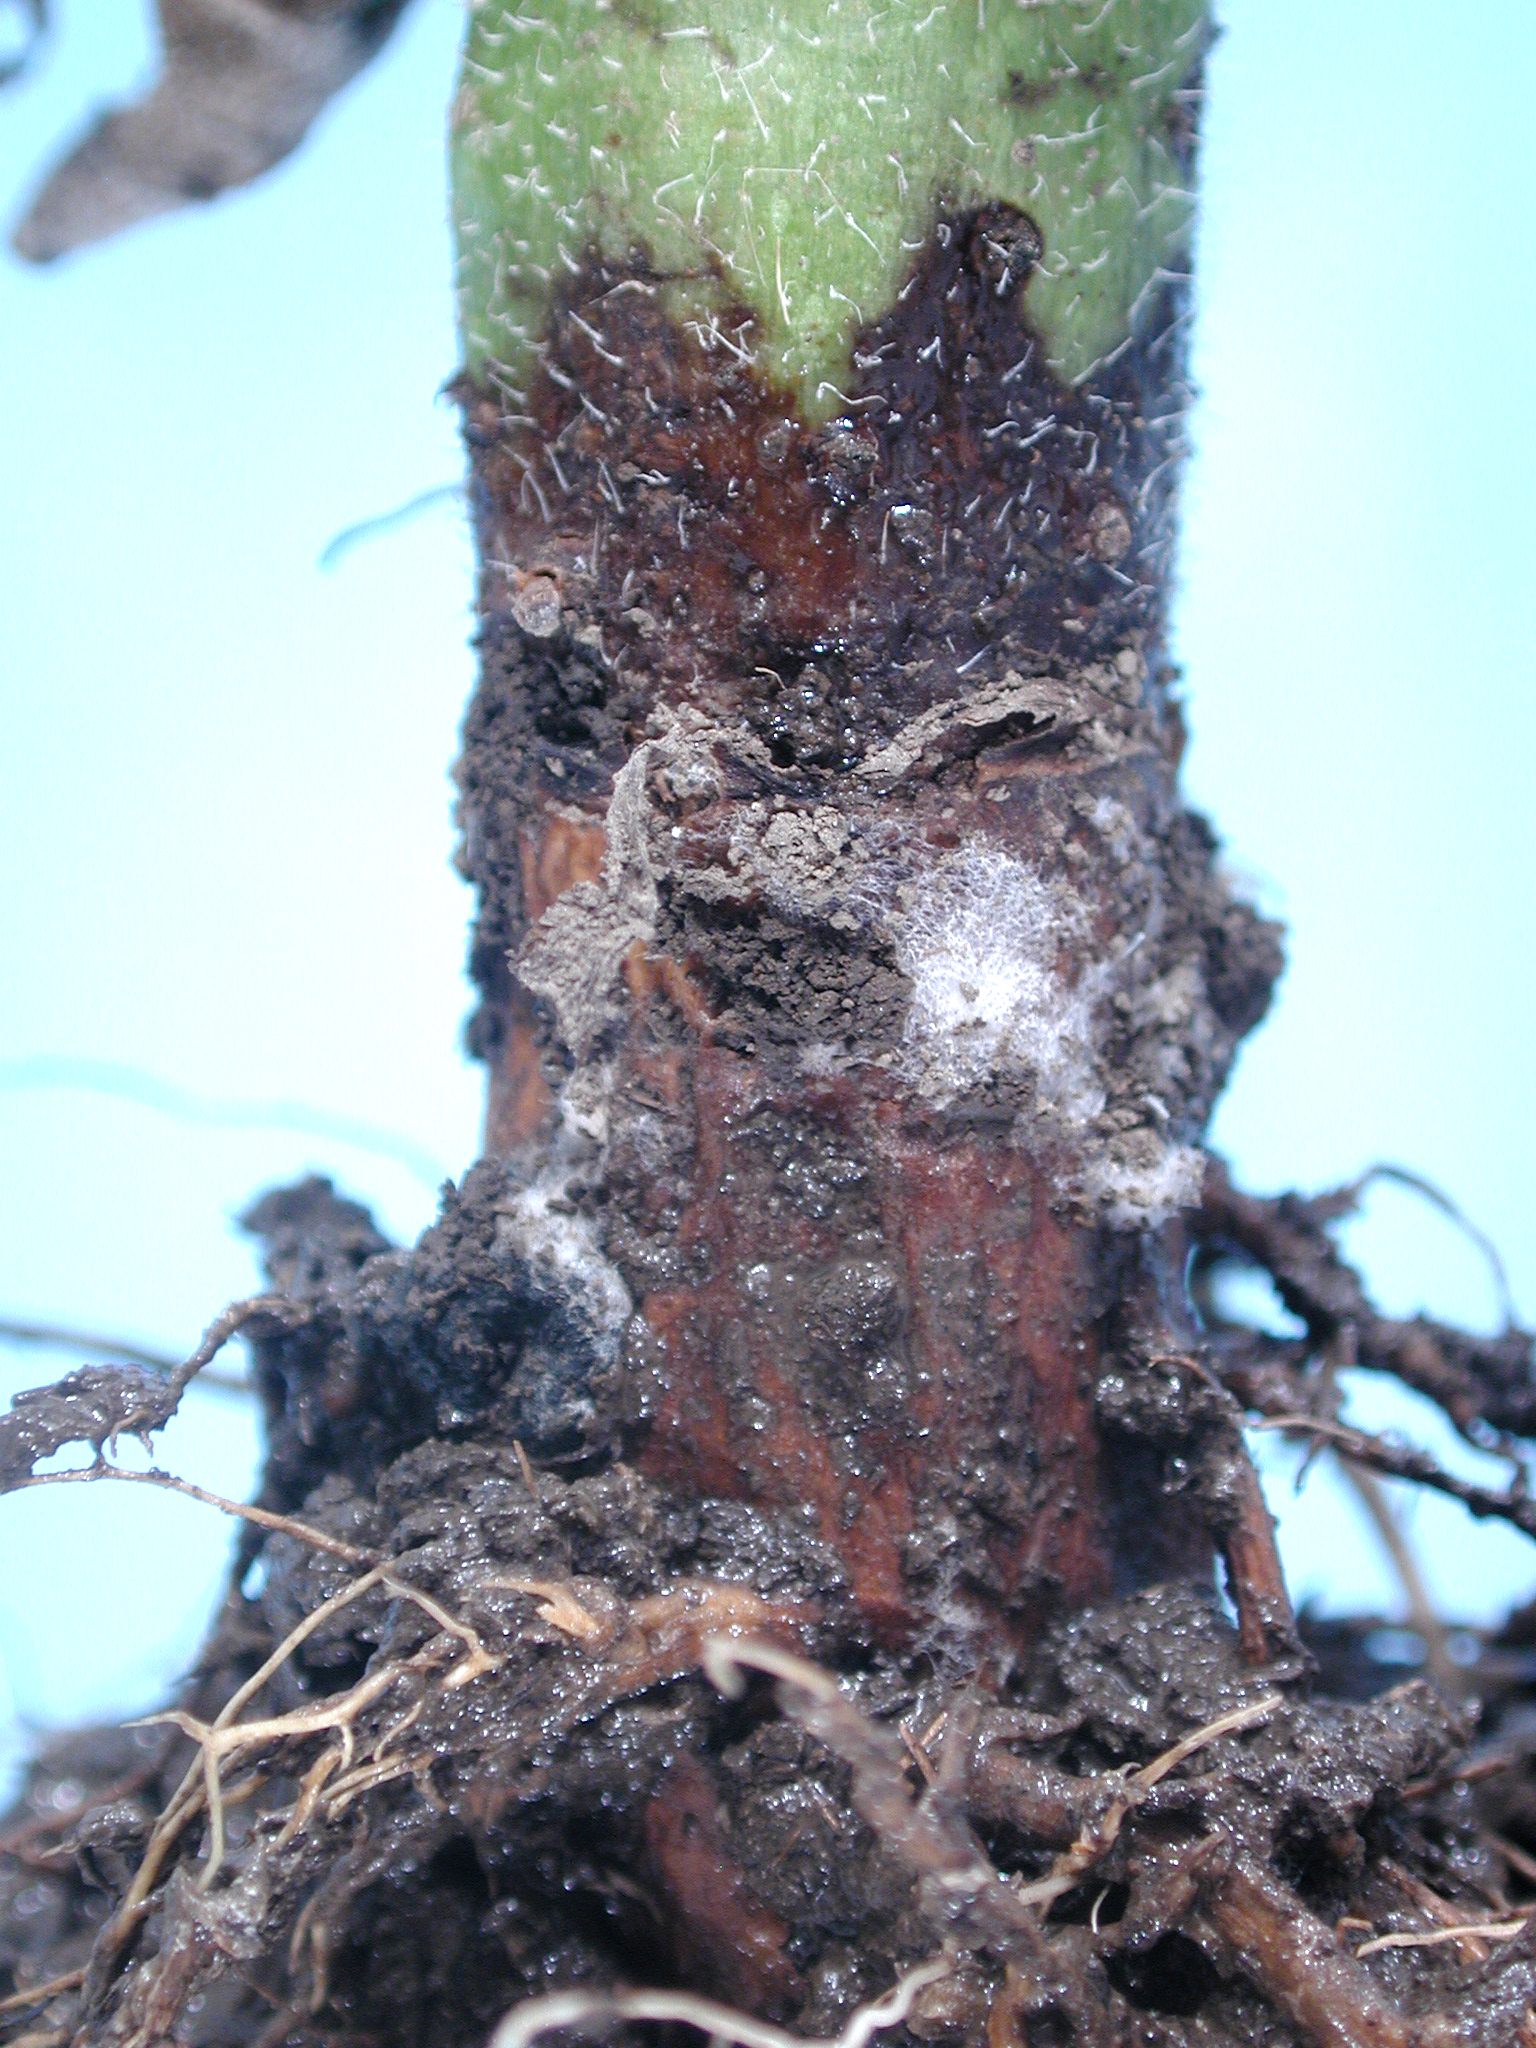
33 23
242 81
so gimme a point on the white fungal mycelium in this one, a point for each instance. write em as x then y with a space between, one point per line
542 1228
985 942
1142 1181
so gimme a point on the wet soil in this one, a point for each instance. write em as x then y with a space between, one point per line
588 1809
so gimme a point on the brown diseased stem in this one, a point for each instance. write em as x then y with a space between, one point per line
849 961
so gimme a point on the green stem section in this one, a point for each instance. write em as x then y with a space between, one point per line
778 162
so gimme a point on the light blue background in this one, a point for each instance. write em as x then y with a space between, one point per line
224 812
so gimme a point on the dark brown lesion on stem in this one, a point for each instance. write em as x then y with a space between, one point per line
659 525
809 655
901 1364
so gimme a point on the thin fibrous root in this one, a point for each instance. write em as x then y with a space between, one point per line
96 1344
193 1791
478 1659
222 1739
186 1800
39 1994
1416 1183
1401 1461
1069 1867
311 1785
1440 1910
1423 1616
1482 1930
168 1482
525 2023
338 1797
215 1744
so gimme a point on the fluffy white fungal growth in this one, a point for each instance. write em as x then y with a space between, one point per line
566 1260
1144 1183
541 1227
982 940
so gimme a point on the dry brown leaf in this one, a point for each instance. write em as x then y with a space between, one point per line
242 81
33 22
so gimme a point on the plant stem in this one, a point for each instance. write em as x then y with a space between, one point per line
854 979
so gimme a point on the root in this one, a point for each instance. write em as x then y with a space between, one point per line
1415 1183
1256 1578
1164 1391
215 1745
1401 1461
932 1839
1422 1615
1252 1922
39 1994
225 1736
1255 1924
98 1404
525 2023
1049 1879
643 1643
1088 1849
1464 1933
1221 1893
262 1518
1484 1384
64 1337
272 1309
